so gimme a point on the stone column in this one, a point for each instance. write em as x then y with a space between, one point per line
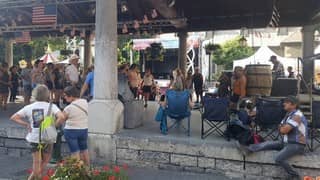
9 52
182 56
308 50
87 51
105 110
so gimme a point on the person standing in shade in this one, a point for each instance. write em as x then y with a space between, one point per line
14 79
71 72
239 85
58 79
134 79
189 84
291 73
5 84
88 84
76 128
37 74
278 69
197 79
26 82
148 82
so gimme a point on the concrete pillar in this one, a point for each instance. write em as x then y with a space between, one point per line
87 51
9 52
182 56
105 110
308 50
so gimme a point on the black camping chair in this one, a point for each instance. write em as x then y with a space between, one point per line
214 114
270 113
315 124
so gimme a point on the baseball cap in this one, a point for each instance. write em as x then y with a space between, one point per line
272 58
292 99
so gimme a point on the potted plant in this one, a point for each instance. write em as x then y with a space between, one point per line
155 52
210 48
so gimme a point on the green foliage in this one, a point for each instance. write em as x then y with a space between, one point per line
124 46
230 51
73 169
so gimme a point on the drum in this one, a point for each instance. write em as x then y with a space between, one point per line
259 80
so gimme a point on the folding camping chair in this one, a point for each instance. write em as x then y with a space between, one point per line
178 109
315 124
270 113
215 115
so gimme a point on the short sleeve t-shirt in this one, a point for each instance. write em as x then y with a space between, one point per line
90 82
72 73
77 113
35 113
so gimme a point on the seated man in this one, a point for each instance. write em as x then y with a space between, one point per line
294 130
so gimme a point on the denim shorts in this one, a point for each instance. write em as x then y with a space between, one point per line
76 139
27 90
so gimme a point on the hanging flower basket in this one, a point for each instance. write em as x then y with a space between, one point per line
210 48
155 52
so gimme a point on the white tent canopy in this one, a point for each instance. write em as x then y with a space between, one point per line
49 58
262 56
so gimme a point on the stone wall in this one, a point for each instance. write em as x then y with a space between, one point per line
207 158
13 143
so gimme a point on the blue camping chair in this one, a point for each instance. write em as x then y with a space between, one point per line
215 115
270 113
178 108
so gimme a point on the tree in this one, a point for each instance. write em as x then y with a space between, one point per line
231 50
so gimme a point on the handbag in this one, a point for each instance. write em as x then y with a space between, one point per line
160 114
48 131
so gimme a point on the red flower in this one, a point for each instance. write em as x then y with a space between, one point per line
29 171
46 178
96 172
116 169
112 178
50 172
307 178
125 166
106 168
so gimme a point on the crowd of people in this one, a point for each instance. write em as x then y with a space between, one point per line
56 91
55 76
65 92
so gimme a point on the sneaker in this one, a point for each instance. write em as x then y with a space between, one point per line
145 105
243 149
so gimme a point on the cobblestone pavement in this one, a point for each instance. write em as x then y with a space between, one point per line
13 168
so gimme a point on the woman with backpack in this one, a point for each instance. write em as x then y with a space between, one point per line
35 114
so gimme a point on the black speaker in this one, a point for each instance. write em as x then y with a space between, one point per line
316 114
284 87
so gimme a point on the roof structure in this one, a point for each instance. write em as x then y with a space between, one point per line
77 17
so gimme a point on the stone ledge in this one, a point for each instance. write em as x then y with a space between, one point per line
220 150
183 160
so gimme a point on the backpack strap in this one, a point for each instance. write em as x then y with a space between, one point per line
49 109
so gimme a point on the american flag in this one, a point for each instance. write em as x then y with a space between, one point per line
46 14
22 37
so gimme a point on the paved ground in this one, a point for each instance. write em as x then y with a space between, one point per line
16 169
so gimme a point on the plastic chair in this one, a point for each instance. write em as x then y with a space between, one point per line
215 115
270 113
178 108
